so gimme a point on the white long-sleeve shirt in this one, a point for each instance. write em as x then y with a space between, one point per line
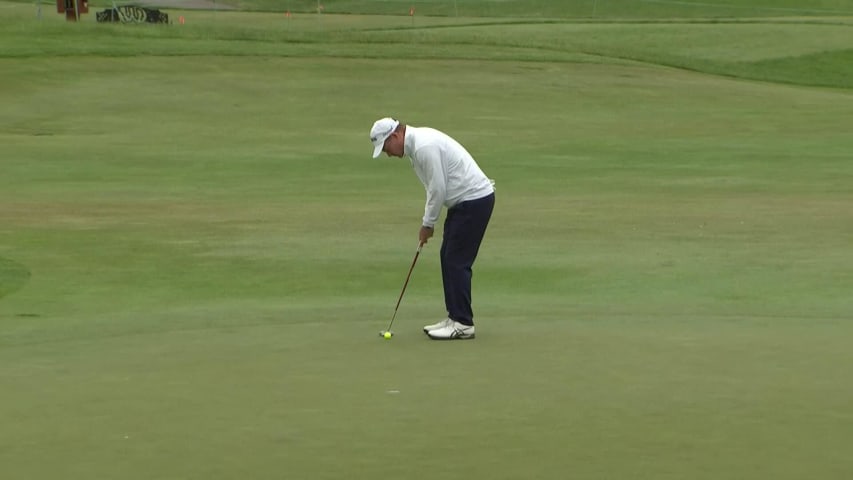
449 173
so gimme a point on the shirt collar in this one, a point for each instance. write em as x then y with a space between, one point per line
409 141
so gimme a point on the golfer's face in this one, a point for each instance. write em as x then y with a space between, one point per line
394 145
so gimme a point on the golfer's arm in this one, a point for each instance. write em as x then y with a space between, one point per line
435 184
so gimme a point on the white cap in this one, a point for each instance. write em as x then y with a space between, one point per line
382 129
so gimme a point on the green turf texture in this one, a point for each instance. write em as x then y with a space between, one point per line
197 251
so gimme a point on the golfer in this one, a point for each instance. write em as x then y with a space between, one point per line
452 179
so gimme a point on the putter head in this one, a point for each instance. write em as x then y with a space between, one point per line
383 332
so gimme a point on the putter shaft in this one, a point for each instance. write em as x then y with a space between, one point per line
408 276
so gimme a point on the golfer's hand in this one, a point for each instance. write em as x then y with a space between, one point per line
425 234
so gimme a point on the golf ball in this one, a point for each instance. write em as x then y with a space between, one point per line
387 335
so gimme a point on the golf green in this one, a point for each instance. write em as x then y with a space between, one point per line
197 251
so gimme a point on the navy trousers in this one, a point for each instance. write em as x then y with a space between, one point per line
464 228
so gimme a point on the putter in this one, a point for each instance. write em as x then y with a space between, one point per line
414 260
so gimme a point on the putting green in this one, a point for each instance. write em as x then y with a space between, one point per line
192 215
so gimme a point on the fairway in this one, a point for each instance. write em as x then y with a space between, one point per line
197 251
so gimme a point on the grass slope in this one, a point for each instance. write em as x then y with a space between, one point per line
809 51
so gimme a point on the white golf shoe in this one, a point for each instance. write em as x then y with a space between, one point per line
438 325
451 331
